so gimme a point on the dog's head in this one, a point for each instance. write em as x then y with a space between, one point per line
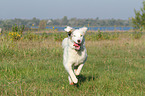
76 36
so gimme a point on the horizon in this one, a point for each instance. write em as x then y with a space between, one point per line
54 9
61 18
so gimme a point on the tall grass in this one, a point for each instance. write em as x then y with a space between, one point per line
34 66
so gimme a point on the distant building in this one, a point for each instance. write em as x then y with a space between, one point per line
49 21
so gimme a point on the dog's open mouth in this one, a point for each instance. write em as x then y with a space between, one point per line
77 46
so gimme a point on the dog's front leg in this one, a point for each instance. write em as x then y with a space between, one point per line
73 77
78 70
70 81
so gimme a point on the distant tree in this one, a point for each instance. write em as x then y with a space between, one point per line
35 21
42 24
1 22
56 22
72 22
64 20
139 20
7 26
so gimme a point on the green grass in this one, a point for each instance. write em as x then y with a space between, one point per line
34 67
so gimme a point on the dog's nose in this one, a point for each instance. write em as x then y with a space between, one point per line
79 41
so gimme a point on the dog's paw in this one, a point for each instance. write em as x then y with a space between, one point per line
75 81
71 83
76 72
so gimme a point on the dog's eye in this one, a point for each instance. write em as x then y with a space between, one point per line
81 35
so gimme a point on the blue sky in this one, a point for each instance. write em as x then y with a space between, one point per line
54 9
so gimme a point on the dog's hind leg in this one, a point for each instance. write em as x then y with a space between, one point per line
77 71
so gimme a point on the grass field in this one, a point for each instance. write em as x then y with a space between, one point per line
115 67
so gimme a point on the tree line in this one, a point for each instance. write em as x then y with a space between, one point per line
74 22
138 22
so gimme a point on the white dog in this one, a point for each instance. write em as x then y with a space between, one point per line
75 53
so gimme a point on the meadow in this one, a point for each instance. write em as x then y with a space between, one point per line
32 65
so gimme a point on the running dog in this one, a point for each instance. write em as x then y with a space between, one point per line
75 53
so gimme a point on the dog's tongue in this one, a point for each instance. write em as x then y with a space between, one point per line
77 46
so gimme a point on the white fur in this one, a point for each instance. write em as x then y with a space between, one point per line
72 57
68 29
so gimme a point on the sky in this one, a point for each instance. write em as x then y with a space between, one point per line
56 9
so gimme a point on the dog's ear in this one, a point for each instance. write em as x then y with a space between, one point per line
69 30
84 30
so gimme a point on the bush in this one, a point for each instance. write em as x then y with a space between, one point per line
18 29
14 36
59 37
102 36
44 35
16 32
137 35
31 36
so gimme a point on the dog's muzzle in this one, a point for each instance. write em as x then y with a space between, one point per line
77 46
